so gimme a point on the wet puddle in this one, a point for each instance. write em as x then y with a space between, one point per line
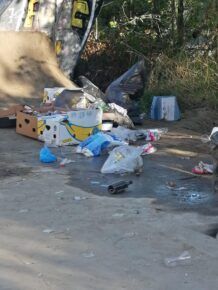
191 193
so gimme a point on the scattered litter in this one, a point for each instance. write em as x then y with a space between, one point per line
78 198
119 187
214 138
95 144
119 109
28 263
171 184
123 159
203 168
118 215
95 182
142 134
118 118
130 235
48 231
59 192
151 135
148 149
89 255
162 131
25 210
205 139
194 196
107 126
185 158
125 134
104 185
180 188
61 198
46 155
183 259
136 211
65 161
214 131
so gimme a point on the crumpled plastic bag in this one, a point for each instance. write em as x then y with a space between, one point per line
214 139
203 168
148 149
46 156
125 134
95 144
127 86
124 159
117 108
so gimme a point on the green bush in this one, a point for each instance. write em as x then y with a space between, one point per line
193 80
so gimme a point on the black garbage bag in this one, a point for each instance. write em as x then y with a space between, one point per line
128 88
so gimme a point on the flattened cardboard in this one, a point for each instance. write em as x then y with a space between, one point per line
11 111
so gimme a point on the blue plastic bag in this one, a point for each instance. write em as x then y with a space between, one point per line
46 156
95 144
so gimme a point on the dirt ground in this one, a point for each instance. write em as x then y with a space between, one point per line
51 239
26 67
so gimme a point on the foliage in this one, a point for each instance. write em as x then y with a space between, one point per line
149 26
177 39
194 81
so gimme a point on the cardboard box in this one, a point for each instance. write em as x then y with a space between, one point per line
50 94
30 125
60 129
13 110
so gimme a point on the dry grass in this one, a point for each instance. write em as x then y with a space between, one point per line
193 80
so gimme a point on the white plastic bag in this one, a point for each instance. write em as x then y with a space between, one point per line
124 133
123 159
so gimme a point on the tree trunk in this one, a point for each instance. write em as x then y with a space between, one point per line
180 22
156 8
173 21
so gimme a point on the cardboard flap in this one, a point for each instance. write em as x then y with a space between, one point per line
11 111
